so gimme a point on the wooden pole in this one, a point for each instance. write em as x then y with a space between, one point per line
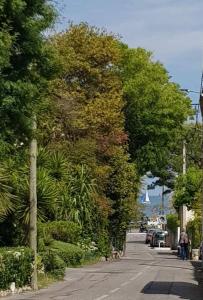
183 208
33 203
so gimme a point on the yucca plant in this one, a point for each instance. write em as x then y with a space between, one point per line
57 164
47 197
76 197
83 190
7 198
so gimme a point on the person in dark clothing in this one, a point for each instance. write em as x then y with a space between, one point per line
184 241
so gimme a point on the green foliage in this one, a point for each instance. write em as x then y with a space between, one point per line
7 198
172 222
60 255
53 263
155 109
26 62
46 194
72 255
104 244
187 188
194 230
15 266
104 97
65 231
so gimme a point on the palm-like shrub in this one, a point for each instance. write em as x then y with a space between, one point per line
7 199
47 196
82 195
77 197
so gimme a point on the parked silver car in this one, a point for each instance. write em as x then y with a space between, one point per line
149 234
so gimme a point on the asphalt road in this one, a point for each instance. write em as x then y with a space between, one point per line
144 274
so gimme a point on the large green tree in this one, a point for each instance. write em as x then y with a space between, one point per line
155 110
26 62
89 120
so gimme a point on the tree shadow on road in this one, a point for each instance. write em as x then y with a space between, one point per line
198 272
166 266
184 290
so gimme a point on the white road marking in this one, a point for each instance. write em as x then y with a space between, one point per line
147 267
135 277
102 297
115 290
125 283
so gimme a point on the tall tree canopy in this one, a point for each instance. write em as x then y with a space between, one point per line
89 96
25 61
155 110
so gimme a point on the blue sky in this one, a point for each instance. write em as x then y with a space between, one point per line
172 29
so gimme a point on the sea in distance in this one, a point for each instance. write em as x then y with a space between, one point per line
154 207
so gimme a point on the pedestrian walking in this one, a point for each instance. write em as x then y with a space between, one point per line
184 241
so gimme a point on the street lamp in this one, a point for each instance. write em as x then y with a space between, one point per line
189 91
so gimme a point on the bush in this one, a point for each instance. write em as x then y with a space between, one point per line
172 222
60 255
65 231
90 256
15 266
103 244
53 263
194 231
72 255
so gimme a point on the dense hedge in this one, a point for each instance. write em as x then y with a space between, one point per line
53 263
194 229
172 222
60 255
15 266
72 255
65 231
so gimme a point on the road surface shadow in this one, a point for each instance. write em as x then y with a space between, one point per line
198 272
166 266
184 290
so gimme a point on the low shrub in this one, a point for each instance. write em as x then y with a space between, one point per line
103 244
71 254
90 256
65 231
60 255
172 222
194 231
53 263
15 266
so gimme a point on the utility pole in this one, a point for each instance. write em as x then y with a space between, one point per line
162 201
183 208
33 202
184 157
